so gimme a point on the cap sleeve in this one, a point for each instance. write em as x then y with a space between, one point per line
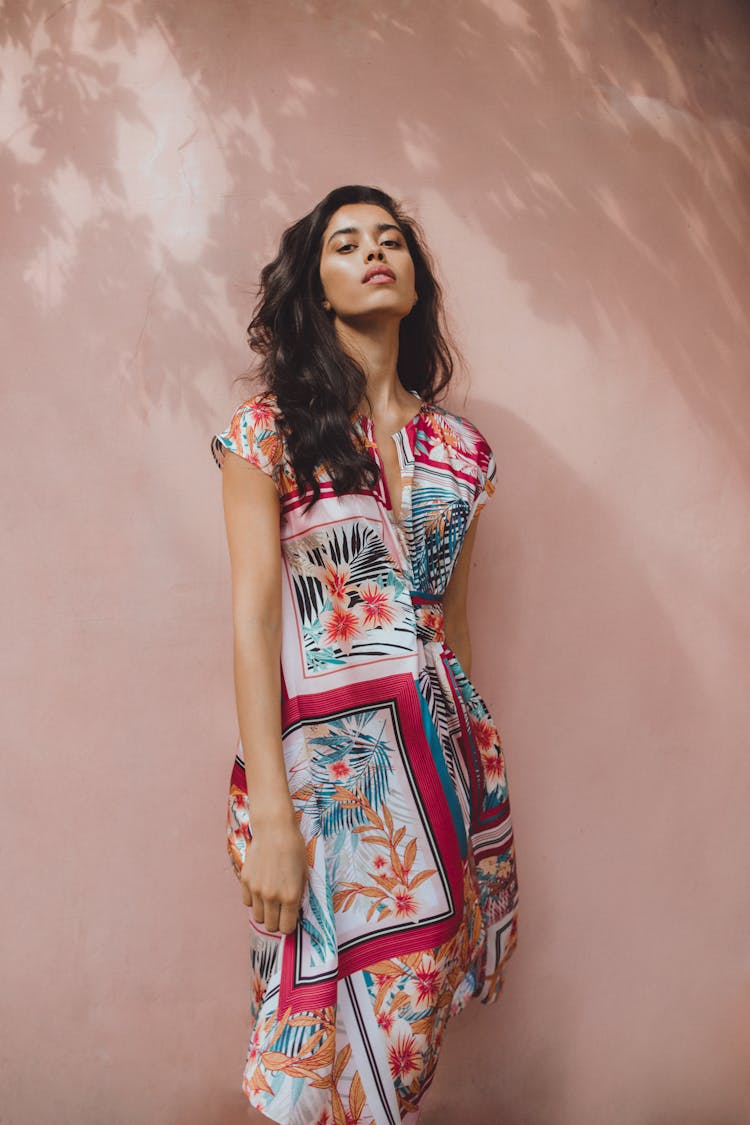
253 434
486 475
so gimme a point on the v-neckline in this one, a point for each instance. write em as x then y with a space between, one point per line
414 418
406 470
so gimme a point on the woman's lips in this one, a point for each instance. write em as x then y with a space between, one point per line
379 272
379 279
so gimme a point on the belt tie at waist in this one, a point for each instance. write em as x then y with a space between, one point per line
429 614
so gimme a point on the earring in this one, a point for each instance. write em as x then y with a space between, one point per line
327 306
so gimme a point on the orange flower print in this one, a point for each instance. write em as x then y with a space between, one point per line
403 1057
262 414
493 766
425 985
432 621
377 606
405 901
485 734
341 627
487 739
338 770
336 581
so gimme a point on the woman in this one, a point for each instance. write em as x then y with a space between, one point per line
368 813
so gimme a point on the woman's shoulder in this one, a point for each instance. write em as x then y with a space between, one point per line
254 433
262 408
260 415
460 435
458 444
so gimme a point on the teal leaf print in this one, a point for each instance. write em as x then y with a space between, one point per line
354 754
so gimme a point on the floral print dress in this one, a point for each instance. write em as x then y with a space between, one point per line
397 777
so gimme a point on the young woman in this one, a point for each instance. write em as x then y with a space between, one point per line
369 822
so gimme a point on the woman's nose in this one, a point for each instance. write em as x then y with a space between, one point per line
376 252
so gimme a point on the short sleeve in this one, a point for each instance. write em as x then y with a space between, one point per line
486 475
253 433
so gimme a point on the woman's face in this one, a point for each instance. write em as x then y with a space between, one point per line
365 266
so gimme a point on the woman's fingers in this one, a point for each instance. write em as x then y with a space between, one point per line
288 918
274 875
257 906
275 916
271 915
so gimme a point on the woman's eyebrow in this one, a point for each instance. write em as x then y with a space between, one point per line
379 227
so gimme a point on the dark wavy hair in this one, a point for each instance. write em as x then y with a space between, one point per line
317 385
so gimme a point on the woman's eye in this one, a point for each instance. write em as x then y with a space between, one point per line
346 247
391 242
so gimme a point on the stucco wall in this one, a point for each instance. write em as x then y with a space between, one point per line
582 170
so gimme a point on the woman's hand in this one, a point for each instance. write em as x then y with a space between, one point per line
274 875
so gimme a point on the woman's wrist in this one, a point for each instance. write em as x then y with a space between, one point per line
271 810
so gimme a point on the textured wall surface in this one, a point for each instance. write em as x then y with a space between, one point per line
582 169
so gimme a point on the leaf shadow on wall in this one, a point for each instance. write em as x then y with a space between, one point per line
456 100
466 102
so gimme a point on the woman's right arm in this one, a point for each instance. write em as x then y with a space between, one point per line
275 868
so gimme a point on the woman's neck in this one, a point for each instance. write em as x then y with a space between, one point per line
376 349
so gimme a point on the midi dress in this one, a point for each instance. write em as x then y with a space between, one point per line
397 777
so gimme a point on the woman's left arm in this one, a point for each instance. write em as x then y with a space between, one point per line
455 602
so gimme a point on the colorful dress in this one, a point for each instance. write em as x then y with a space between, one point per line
397 777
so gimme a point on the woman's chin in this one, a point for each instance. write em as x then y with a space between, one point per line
374 312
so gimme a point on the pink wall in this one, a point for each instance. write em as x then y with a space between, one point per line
582 169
